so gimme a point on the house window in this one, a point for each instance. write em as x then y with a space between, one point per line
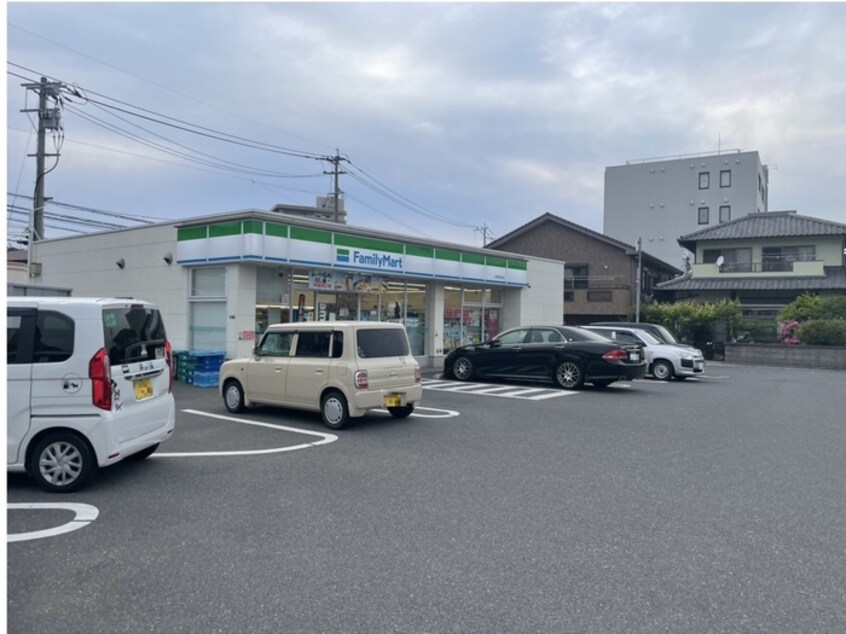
599 296
703 215
782 258
576 276
704 180
725 213
725 178
734 260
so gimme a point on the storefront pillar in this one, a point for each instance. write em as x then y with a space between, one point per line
435 332
240 309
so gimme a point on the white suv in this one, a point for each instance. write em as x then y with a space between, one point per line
341 369
663 361
89 383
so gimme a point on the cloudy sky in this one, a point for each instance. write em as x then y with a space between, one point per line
452 116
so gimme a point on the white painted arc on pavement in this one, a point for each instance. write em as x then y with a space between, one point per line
447 413
84 514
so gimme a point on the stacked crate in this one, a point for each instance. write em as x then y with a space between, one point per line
199 367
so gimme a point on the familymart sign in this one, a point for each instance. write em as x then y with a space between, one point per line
275 242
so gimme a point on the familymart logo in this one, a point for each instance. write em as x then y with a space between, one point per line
369 259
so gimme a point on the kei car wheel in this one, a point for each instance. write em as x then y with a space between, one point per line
335 411
462 369
401 412
62 462
233 396
569 375
662 370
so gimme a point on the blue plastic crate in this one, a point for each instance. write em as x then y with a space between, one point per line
206 379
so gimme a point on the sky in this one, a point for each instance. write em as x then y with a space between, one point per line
454 120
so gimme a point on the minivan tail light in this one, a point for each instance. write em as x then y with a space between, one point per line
169 357
361 381
418 374
99 371
616 355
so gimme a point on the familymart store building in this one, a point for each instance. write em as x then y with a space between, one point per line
221 280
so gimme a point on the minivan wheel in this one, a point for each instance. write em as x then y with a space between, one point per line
401 412
569 375
662 370
233 396
462 369
333 407
62 463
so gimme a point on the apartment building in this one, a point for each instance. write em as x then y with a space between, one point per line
659 200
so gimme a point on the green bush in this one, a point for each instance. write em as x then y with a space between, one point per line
823 332
809 306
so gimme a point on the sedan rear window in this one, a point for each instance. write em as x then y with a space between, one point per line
381 342
133 333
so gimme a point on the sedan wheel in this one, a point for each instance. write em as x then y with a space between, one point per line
662 370
569 375
462 369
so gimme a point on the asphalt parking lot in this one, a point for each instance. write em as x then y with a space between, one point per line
710 505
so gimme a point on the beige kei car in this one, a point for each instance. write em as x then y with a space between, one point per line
341 369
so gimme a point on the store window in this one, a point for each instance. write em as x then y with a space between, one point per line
207 318
471 315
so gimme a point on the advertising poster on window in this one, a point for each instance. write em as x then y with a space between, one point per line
323 280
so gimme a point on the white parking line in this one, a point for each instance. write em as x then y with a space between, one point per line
444 413
325 439
84 514
502 391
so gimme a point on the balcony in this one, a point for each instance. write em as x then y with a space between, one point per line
772 266
596 281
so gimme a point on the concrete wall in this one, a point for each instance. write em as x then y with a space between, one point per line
86 265
822 357
659 200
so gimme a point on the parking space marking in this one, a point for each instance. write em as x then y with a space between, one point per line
84 514
444 413
502 391
324 439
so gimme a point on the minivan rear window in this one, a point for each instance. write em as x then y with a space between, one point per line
133 333
381 342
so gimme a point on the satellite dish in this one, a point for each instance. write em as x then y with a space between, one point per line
720 261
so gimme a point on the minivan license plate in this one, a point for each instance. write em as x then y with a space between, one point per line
392 400
143 389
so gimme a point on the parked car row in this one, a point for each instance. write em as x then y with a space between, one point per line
570 356
90 380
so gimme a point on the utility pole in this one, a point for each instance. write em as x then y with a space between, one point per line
336 172
639 277
484 231
48 119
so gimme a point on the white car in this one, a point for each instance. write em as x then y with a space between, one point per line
664 361
89 383
341 369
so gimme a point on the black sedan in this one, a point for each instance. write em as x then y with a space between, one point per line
564 355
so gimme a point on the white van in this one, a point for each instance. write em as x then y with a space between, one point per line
341 369
89 382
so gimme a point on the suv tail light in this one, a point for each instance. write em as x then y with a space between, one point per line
361 381
616 355
418 374
169 357
100 374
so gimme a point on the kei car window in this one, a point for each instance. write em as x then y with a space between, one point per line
512 337
133 333
54 333
381 342
277 344
13 337
313 344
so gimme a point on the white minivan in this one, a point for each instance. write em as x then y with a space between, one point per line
89 382
340 369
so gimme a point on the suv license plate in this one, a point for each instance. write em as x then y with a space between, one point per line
143 389
392 400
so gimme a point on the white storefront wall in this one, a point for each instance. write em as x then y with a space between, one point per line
88 265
